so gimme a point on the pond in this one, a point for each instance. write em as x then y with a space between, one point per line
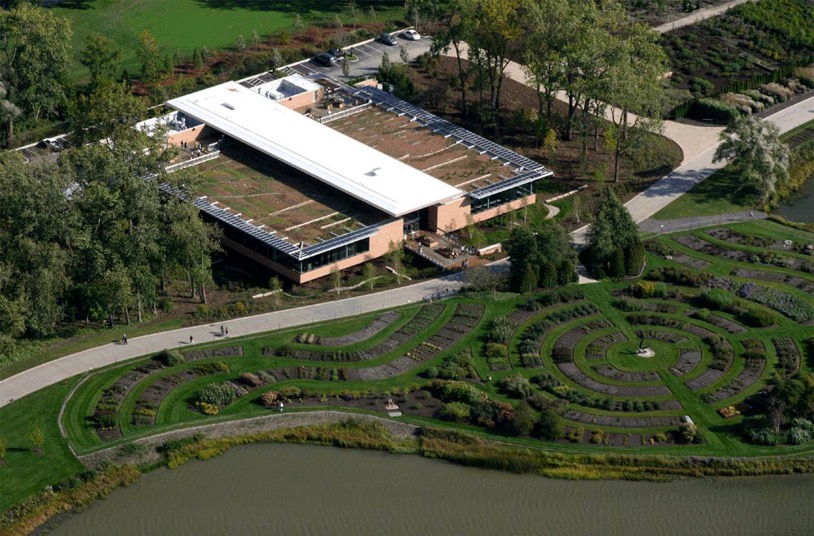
292 489
800 206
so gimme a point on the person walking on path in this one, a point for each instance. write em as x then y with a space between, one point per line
222 331
191 340
124 338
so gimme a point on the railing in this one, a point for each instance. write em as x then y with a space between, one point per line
345 113
192 161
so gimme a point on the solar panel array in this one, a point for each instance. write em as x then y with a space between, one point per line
529 169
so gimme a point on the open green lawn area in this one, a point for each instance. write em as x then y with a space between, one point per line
571 349
188 24
720 193
723 191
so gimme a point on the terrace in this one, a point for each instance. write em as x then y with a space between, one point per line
282 200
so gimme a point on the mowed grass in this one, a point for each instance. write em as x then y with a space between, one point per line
25 472
184 25
723 191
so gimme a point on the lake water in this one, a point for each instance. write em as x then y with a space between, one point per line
292 489
800 207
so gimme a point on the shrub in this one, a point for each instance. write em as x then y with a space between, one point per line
290 392
548 426
496 351
501 330
170 358
628 305
459 392
516 386
702 314
217 394
252 380
206 408
798 436
269 398
758 318
454 411
718 299
521 421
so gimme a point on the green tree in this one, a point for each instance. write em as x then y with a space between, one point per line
37 438
197 59
108 112
612 231
149 53
240 43
634 84
395 257
101 56
523 420
369 274
543 48
276 287
759 157
34 56
454 32
548 426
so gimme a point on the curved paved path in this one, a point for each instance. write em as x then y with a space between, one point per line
696 16
697 166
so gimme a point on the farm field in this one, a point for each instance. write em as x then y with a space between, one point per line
184 25
472 364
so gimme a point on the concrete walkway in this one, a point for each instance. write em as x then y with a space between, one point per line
697 16
697 222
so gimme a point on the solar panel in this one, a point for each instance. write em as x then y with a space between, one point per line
503 185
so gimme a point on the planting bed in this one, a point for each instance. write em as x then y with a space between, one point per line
573 350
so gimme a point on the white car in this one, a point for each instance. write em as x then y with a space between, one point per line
410 35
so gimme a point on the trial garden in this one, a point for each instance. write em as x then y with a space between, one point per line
729 312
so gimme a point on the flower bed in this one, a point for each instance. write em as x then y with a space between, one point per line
782 302
688 360
375 327
788 355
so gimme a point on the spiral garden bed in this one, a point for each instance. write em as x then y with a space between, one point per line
577 349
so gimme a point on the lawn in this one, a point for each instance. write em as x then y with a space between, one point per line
572 348
722 192
184 25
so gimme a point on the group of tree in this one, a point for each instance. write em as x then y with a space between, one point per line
91 236
783 413
542 259
614 248
589 49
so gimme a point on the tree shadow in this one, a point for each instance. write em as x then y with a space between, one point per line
301 6
69 4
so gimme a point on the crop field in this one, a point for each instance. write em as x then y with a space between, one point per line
184 25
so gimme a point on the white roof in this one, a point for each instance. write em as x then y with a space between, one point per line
323 153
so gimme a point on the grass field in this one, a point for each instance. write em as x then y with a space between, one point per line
184 25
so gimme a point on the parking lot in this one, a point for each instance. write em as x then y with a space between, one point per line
370 57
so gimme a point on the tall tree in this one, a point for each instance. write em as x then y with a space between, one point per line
149 53
34 55
454 33
543 48
613 232
761 159
108 112
101 56
634 86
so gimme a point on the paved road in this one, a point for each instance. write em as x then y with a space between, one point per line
696 16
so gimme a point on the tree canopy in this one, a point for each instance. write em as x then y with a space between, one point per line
761 159
614 247
545 258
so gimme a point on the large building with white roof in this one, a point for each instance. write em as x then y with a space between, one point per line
314 176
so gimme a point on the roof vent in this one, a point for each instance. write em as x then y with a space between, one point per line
226 104
372 172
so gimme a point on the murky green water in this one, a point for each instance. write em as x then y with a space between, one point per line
288 489
800 207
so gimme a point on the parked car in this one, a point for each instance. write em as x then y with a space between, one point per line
337 52
325 59
386 39
410 35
